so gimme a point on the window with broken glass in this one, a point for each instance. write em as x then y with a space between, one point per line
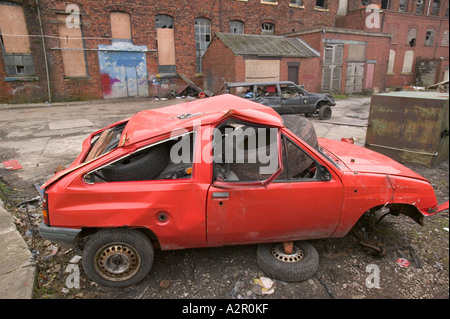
163 21
385 4
236 27
420 6
403 5
297 164
267 28
244 152
412 35
202 40
321 4
429 37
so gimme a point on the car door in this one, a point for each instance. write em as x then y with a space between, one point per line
274 207
267 94
295 99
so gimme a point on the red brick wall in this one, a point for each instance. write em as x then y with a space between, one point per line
218 66
96 25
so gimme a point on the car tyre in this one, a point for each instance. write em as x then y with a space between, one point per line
301 265
118 257
301 127
325 112
145 165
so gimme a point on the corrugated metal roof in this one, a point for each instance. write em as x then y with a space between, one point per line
266 45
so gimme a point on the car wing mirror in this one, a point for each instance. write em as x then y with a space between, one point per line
323 174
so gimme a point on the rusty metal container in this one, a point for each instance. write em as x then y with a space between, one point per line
410 127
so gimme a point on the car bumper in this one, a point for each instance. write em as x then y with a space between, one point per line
63 236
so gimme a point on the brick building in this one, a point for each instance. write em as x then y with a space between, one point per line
419 48
55 50
353 61
256 58
118 48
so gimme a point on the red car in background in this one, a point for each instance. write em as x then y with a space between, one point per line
214 172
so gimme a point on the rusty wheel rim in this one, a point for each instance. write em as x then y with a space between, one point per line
117 262
296 256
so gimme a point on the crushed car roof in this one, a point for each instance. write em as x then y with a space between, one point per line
151 123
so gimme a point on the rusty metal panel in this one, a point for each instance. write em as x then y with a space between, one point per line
410 127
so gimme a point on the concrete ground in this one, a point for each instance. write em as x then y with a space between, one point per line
43 136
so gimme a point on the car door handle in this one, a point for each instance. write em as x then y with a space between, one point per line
220 195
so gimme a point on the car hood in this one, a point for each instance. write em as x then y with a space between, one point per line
321 96
362 160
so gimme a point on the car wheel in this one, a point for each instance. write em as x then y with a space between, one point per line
118 257
144 165
300 265
325 112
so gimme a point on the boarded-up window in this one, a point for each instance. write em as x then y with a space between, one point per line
412 35
356 52
262 70
166 51
71 43
15 43
166 44
408 62
120 26
429 37
332 69
444 41
13 29
391 62
333 54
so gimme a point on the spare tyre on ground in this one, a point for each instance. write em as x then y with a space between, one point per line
298 265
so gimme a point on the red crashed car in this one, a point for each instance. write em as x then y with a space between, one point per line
220 171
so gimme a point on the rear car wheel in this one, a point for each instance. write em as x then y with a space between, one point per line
118 257
299 265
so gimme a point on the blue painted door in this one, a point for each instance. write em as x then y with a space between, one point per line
123 70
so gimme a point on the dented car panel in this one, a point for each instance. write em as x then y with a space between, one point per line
196 209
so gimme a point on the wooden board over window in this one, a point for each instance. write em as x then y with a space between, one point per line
166 46
120 25
71 43
12 21
262 70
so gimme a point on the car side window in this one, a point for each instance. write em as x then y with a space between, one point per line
244 153
171 159
297 164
